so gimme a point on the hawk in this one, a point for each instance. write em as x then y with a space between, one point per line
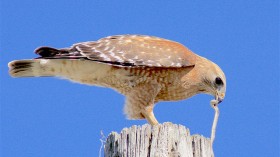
145 69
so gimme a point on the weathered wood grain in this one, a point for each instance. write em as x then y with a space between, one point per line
163 140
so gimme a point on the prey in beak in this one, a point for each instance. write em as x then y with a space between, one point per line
220 87
218 99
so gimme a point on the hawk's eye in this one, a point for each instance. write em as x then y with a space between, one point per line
218 81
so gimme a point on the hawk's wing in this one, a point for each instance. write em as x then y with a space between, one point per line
128 50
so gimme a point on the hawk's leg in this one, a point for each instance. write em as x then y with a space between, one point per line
149 115
140 102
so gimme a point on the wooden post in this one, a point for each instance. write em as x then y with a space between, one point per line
163 140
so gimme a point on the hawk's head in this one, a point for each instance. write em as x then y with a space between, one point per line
215 81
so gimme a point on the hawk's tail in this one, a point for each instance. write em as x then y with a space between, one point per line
27 68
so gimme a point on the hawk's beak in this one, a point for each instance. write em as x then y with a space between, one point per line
220 96
220 100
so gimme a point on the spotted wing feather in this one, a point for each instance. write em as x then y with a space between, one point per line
132 50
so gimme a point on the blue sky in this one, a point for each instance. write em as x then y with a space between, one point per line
53 117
